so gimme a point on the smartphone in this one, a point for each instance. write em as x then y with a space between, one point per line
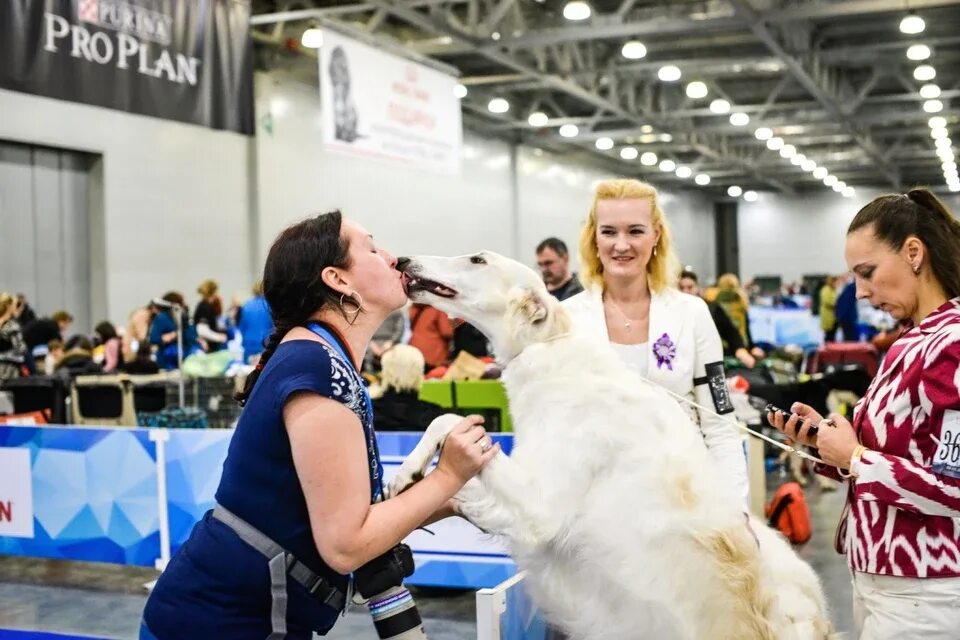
770 408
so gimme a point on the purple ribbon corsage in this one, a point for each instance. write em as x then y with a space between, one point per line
665 351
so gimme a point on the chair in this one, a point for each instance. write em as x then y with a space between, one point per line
486 396
40 393
103 401
149 391
439 392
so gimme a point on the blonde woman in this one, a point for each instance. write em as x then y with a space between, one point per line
628 270
400 407
13 349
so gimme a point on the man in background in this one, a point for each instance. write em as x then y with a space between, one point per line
553 259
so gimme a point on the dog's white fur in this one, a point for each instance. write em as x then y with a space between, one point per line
609 500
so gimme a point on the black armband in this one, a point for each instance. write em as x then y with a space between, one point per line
716 381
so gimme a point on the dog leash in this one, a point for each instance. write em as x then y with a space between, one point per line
736 423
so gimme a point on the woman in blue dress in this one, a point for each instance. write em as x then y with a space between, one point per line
299 504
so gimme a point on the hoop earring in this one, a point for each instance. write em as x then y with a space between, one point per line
350 300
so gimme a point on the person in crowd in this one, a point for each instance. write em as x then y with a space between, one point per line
107 347
206 317
43 330
26 314
553 260
138 330
733 299
55 351
848 317
384 338
77 358
733 344
631 300
255 324
467 337
431 332
899 528
400 407
828 309
302 473
13 347
163 332
143 363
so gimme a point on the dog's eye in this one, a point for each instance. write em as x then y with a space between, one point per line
477 260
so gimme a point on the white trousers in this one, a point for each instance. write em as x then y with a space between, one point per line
892 608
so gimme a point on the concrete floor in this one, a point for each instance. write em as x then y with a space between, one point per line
105 601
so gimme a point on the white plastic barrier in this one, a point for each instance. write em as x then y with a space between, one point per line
506 612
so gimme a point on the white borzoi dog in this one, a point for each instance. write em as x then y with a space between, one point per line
609 500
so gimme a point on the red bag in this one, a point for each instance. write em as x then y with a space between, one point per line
31 418
788 513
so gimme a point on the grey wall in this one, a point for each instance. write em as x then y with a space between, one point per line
174 204
793 235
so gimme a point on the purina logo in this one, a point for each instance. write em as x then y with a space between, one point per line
128 18
141 41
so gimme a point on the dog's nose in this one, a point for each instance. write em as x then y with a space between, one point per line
402 264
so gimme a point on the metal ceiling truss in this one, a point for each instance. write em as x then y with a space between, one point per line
830 77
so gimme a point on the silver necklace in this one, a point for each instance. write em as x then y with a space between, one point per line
627 322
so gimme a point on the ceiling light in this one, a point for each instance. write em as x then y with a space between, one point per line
668 166
750 196
498 105
634 50
720 106
459 91
578 10
669 73
937 122
798 159
569 131
648 159
666 137
702 179
924 72
697 90
912 24
830 180
684 172
918 52
929 91
628 153
495 35
312 39
945 154
763 133
949 165
647 138
943 143
820 173
836 187
933 106
847 192
808 165
774 144
646 128
538 119
739 119
954 186
734 191
788 151
604 144
940 132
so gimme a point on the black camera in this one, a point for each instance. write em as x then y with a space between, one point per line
391 606
384 572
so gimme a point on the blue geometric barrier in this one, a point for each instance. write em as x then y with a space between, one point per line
95 497
94 494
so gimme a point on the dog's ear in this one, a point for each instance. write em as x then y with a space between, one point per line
531 306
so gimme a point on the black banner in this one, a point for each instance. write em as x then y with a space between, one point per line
186 60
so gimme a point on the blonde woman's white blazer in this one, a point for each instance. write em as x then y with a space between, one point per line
683 321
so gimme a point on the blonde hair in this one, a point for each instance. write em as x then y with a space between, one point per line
6 301
208 288
402 368
663 267
730 282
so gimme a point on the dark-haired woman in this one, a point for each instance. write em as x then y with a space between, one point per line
108 347
302 481
901 454
163 331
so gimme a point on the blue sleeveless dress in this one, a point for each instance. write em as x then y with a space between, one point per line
216 586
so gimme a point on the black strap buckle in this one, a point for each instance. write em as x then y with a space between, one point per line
315 584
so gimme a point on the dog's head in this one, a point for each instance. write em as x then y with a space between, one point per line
504 299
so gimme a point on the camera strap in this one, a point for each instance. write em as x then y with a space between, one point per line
282 563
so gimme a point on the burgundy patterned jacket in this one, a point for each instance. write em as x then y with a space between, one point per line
904 506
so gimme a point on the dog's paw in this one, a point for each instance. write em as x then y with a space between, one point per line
404 479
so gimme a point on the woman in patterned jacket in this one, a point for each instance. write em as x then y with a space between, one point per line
901 454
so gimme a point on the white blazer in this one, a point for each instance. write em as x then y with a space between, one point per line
683 341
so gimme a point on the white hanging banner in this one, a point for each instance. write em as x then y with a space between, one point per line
380 106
